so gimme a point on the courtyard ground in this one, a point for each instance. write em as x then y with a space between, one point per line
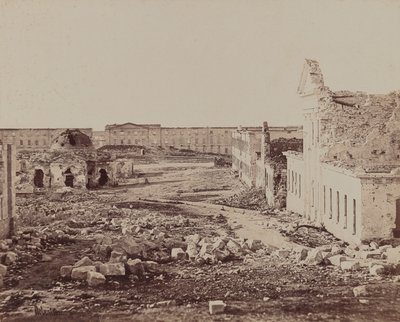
164 208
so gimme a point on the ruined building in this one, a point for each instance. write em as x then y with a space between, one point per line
258 160
7 190
348 177
33 138
71 161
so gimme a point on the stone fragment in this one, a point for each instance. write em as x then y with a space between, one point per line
94 278
393 255
283 253
350 265
3 269
135 266
314 257
131 246
360 291
218 244
178 254
375 254
373 245
302 254
151 267
85 261
336 260
10 258
221 254
46 258
80 273
233 246
195 239
254 244
216 307
112 269
377 270
192 251
205 249
117 257
65 271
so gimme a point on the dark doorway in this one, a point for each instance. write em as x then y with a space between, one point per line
103 177
69 178
38 178
396 231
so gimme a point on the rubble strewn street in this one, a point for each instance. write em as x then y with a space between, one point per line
186 250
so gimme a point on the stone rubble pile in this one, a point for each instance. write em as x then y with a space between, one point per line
377 260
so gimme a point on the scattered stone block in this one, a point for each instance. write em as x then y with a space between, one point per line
219 244
377 270
302 254
178 254
10 258
360 291
135 267
205 249
80 273
233 246
118 257
314 257
350 265
131 246
151 267
46 258
3 269
216 307
94 278
195 239
85 261
65 271
192 251
112 269
375 254
254 244
336 260
373 245
283 253
393 255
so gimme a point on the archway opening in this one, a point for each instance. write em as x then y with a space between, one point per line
38 178
69 178
103 177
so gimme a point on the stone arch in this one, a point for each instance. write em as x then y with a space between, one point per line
38 178
103 177
69 178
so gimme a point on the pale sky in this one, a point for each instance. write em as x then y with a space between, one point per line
88 63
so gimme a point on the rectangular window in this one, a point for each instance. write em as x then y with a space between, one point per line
299 185
122 142
338 206
330 203
292 181
345 211
226 150
36 142
354 217
21 142
29 142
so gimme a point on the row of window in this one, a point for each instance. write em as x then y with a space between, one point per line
294 183
165 132
341 203
29 142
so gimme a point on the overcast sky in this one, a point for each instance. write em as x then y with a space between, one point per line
87 63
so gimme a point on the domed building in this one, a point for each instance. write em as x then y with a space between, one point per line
72 161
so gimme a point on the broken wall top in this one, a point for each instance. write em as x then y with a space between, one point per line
72 139
356 129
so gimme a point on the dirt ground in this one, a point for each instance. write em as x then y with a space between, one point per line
181 199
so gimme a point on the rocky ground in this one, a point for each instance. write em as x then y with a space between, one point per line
162 246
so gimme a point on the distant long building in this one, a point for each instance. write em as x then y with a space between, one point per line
202 139
33 138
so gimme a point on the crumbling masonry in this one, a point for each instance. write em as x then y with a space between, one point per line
348 177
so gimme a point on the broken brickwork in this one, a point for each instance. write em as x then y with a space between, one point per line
71 161
349 175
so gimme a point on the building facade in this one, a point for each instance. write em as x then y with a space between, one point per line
33 138
348 177
202 139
